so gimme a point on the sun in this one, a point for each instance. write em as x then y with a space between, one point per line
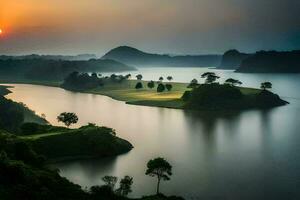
0 31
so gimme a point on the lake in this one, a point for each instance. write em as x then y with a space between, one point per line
249 155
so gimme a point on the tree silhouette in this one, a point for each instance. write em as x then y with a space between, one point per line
193 83
170 78
151 84
161 87
210 77
67 118
159 168
266 85
139 77
161 79
169 87
125 186
139 85
110 181
233 82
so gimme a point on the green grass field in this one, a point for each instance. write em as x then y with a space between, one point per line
126 91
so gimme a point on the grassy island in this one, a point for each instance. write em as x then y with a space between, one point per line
207 96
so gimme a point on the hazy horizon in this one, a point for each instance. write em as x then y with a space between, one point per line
169 26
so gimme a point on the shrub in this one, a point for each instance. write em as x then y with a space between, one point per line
139 85
169 87
161 87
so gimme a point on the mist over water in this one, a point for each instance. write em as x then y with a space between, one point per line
248 155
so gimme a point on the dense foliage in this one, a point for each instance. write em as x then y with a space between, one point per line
226 97
87 141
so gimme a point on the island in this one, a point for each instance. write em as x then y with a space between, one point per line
207 96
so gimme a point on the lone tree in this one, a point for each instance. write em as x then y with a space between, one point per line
170 78
125 186
160 88
139 77
169 87
139 85
210 77
161 79
266 85
151 84
233 82
67 118
193 83
159 168
110 181
128 76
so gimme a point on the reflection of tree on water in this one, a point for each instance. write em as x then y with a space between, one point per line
207 124
91 169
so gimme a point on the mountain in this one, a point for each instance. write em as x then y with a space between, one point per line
232 59
50 57
41 69
135 57
271 62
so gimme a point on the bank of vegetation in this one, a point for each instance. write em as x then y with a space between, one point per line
24 155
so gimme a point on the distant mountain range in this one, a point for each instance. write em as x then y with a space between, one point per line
51 57
42 69
137 58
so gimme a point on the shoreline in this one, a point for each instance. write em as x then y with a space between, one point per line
138 97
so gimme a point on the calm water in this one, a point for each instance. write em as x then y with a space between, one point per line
251 155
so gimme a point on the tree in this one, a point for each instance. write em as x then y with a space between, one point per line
110 181
266 85
193 83
94 75
139 85
151 84
160 88
161 79
169 87
233 82
139 77
159 168
67 118
210 77
128 76
125 186
170 78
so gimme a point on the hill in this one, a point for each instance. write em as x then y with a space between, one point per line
271 62
50 57
232 59
54 70
135 57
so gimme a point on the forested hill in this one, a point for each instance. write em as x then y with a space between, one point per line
135 57
42 69
271 62
51 57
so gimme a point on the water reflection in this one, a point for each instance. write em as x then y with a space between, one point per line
248 155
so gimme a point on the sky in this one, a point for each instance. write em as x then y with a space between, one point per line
162 26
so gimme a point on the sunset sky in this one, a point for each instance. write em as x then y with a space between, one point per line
170 26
